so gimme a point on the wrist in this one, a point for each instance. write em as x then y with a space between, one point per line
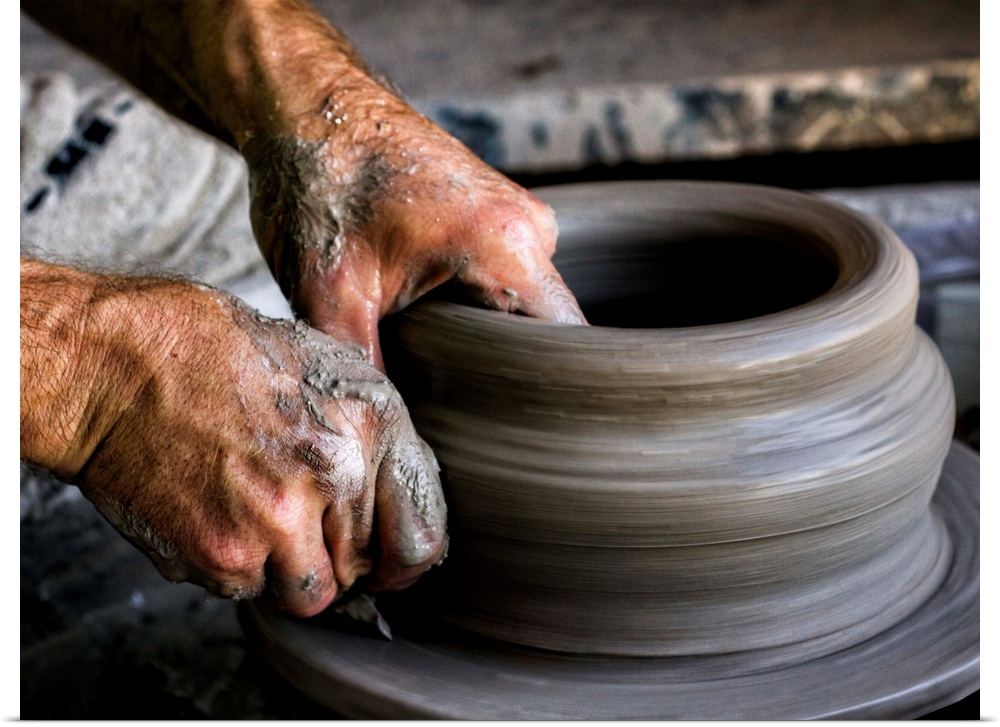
264 65
78 364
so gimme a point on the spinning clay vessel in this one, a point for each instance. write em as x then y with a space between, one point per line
720 500
752 472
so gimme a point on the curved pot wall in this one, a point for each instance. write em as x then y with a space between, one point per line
739 456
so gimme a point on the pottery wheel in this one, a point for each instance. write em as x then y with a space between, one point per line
928 660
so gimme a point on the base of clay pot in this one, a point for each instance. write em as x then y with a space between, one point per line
929 660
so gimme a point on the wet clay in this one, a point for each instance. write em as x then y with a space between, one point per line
718 519
710 487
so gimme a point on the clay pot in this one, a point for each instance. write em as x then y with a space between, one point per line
737 455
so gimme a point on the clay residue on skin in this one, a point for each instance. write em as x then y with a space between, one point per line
410 470
328 384
247 593
324 371
295 191
415 468
312 585
330 369
163 555
335 371
136 528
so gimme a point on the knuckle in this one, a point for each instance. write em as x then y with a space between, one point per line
234 567
521 227
348 472
286 515
385 418
544 219
313 456
233 558
542 211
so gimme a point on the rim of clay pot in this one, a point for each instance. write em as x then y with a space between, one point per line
852 341
875 287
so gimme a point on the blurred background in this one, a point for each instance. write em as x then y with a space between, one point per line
873 103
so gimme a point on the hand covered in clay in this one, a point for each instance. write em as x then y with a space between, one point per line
363 205
240 453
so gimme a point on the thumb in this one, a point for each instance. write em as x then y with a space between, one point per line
339 307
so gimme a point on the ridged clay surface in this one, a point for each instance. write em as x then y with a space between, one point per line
692 489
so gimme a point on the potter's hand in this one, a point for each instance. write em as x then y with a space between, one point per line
364 207
237 452
360 204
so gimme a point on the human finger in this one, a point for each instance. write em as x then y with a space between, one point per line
300 573
410 513
347 527
341 305
535 289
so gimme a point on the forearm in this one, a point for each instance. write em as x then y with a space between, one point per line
234 68
359 203
74 374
